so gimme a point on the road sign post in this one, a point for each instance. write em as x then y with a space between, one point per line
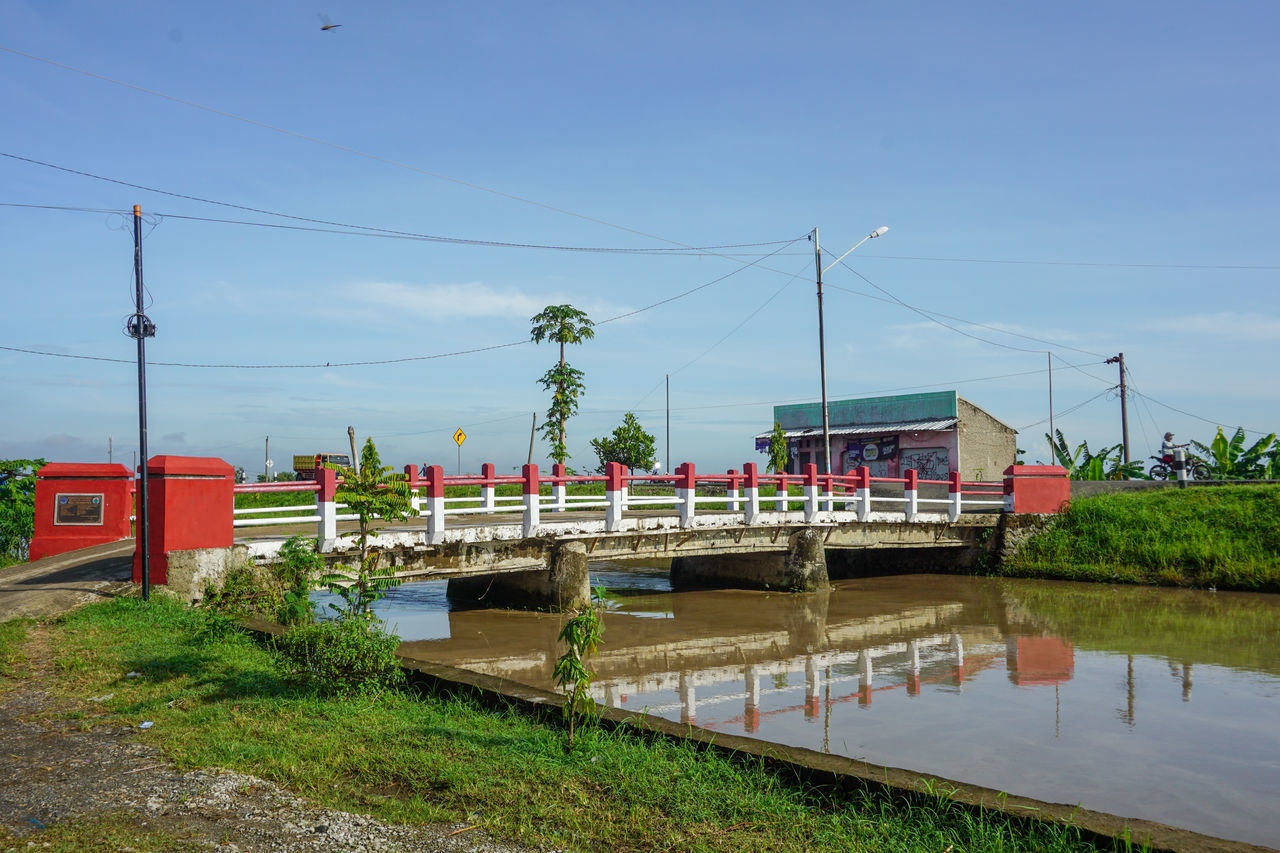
459 437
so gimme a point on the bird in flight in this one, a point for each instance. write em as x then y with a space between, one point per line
326 24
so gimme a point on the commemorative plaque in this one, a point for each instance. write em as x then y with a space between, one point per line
77 509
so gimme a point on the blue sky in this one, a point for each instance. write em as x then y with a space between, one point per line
1084 179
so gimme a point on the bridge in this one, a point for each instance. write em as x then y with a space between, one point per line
527 538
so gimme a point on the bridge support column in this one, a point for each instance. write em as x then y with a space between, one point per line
563 586
802 569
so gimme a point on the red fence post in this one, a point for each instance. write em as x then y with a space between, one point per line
488 489
731 491
614 493
751 485
559 491
810 492
412 482
434 488
911 494
326 508
686 492
864 492
955 488
532 500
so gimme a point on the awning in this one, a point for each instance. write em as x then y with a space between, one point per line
869 429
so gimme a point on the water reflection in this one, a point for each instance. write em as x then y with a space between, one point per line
1067 692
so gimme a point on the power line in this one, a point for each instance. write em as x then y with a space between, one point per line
1195 416
338 147
372 231
1065 412
373 362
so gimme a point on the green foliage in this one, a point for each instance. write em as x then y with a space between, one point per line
404 760
17 508
581 636
1230 460
1081 464
1226 537
630 444
279 591
298 565
779 450
343 657
561 324
373 493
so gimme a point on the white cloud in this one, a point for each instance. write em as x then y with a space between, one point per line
440 301
1251 326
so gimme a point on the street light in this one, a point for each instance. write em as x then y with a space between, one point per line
822 346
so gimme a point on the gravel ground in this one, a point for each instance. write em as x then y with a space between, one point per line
52 771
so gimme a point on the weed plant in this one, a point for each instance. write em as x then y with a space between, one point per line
220 699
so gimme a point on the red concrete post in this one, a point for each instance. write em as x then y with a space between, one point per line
1043 489
433 490
532 500
488 489
191 499
78 505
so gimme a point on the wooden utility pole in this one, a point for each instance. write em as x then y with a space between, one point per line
532 432
1124 406
355 460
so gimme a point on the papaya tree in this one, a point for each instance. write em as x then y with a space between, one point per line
779 450
375 495
562 324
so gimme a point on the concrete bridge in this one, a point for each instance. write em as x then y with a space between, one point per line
527 539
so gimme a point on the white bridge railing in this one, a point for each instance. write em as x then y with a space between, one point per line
749 493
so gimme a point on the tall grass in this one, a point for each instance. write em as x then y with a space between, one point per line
1227 537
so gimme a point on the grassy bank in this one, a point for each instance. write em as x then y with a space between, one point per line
220 698
1227 537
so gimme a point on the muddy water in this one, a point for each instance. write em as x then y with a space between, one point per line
1158 704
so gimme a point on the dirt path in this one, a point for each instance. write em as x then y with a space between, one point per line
55 770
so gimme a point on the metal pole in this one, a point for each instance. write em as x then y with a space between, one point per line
822 360
668 423
139 329
266 460
1124 411
533 430
1052 435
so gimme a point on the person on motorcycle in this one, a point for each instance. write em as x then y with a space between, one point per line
1167 447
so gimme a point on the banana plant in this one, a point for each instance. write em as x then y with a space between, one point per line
1081 464
1228 459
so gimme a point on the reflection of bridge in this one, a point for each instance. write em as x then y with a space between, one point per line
717 646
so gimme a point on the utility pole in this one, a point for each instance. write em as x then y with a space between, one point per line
533 430
822 360
1124 406
140 328
1053 436
668 423
355 460
266 460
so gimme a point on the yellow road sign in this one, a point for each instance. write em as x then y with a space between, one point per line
459 436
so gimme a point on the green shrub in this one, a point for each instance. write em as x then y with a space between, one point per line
343 657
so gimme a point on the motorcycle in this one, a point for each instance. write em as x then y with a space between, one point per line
1162 468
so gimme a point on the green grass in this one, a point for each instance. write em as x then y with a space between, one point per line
105 834
1226 537
12 635
220 698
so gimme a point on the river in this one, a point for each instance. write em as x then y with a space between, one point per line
1149 703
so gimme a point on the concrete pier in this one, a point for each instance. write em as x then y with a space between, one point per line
801 568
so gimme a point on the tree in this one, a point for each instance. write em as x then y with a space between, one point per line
779 450
629 444
17 508
581 636
1081 464
562 324
372 493
1229 460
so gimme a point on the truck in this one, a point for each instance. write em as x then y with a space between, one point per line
304 465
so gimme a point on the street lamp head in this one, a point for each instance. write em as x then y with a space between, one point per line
879 232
